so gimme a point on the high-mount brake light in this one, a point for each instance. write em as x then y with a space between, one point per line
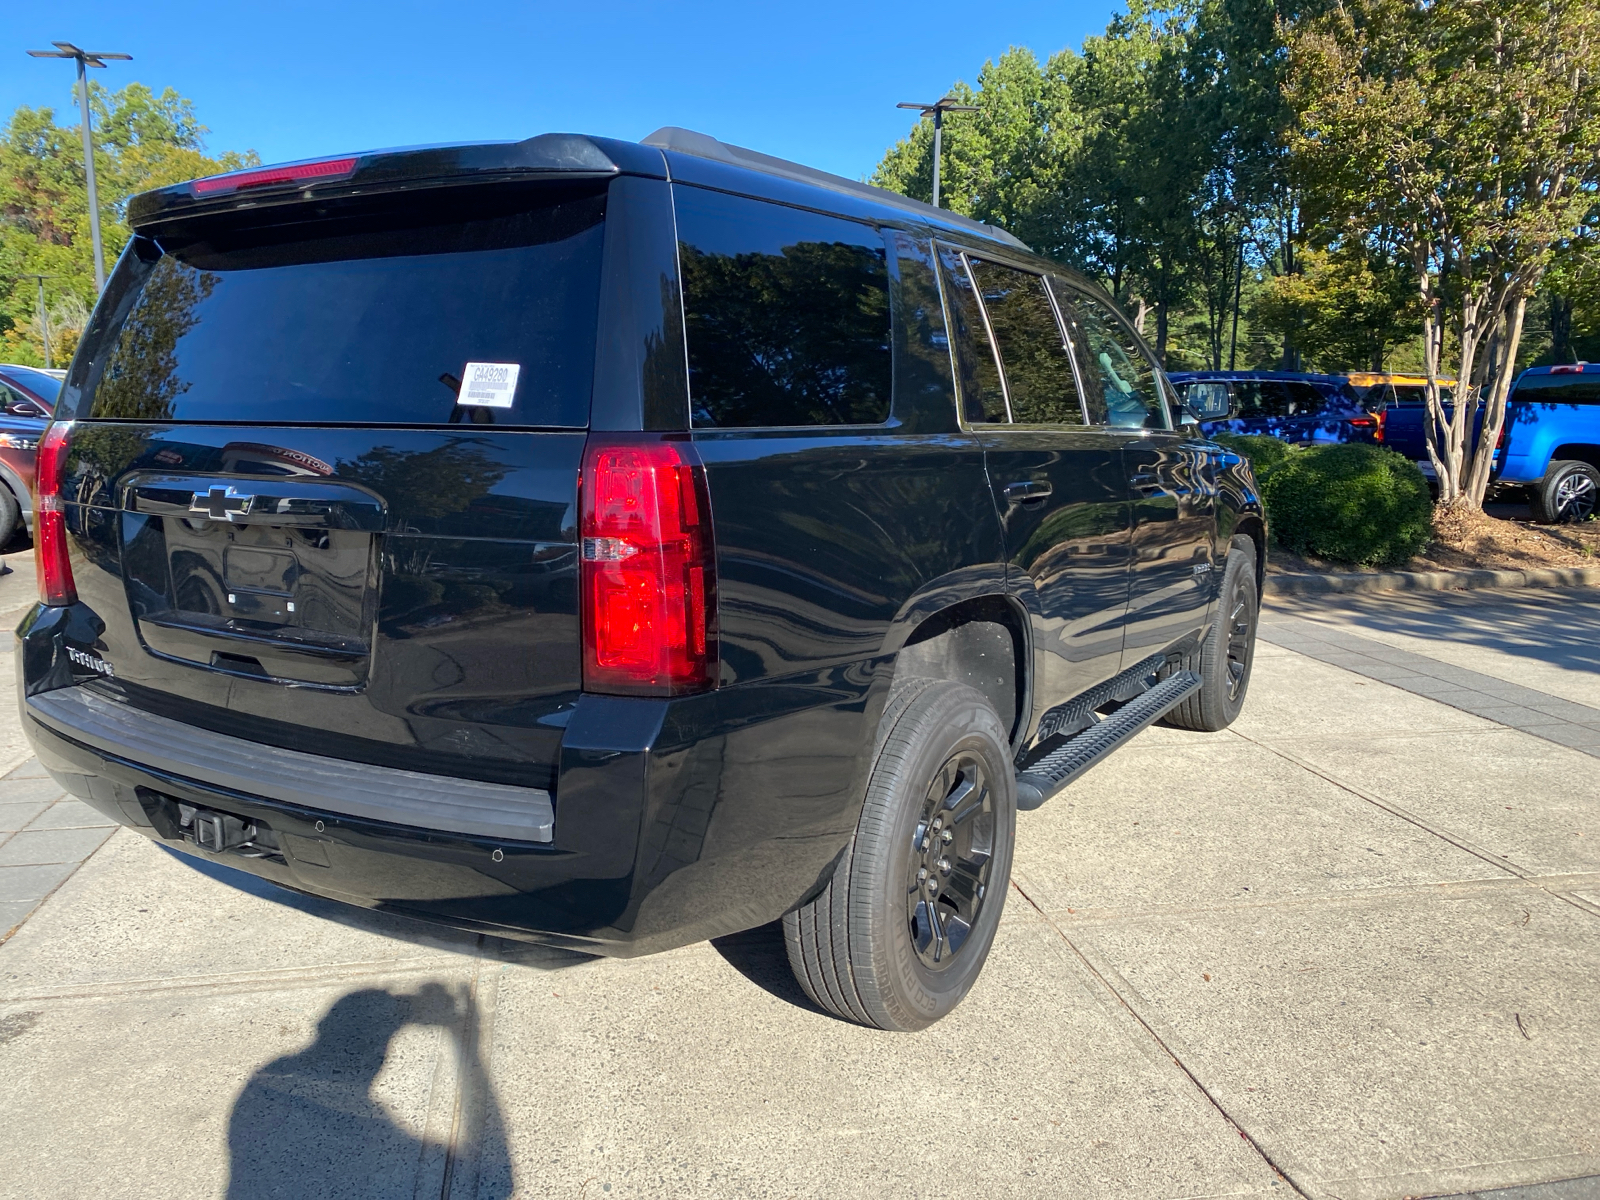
647 568
238 181
56 587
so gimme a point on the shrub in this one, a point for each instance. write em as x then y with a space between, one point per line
1265 453
1352 503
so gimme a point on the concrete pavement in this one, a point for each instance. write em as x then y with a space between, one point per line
1349 948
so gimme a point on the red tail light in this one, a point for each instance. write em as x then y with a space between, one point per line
50 519
1377 434
647 570
312 172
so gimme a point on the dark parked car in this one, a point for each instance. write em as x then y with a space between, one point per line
620 545
1296 407
27 398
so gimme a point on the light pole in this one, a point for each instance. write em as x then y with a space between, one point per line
87 58
44 313
938 108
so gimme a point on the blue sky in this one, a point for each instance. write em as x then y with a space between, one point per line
815 81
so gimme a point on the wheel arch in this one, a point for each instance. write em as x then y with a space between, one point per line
975 634
1581 451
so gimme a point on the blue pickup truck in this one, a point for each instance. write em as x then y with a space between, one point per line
1550 443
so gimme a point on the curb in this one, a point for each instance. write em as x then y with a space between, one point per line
1430 581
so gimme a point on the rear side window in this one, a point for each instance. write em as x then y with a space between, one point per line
1559 389
1119 379
1038 373
786 312
370 317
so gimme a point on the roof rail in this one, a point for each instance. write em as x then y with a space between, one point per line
701 145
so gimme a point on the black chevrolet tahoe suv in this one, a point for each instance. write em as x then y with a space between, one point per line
620 545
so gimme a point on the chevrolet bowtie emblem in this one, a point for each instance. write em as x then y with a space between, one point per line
220 503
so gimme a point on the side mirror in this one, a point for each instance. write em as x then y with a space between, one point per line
1208 401
26 408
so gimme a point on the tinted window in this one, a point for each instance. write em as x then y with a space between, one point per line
1559 389
1415 395
370 317
1120 381
983 399
1038 373
1303 398
787 314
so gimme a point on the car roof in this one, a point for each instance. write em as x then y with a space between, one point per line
669 152
1293 376
699 145
1577 368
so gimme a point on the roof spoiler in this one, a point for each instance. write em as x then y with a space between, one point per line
568 155
702 145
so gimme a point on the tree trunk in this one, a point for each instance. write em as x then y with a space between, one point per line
1494 414
1561 329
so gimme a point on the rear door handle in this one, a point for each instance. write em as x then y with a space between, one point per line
1028 489
1146 483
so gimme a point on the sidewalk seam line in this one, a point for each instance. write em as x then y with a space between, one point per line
1161 1042
1459 843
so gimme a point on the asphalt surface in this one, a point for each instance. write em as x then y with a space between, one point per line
1349 948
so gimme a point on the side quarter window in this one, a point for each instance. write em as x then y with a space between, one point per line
786 314
1038 372
1121 383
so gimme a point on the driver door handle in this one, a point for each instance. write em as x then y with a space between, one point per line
1026 490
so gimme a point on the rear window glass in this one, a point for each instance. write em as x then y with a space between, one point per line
787 314
1560 389
370 317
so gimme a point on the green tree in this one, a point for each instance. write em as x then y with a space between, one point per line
1346 308
1470 129
143 140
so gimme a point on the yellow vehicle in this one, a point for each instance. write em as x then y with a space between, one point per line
1379 391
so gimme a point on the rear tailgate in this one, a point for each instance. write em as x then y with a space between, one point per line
324 495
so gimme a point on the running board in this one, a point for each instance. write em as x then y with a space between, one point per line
1071 759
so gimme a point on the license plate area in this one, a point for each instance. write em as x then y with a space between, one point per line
276 601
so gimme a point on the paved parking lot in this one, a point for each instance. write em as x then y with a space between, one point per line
1350 948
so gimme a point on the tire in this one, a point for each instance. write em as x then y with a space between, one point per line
10 516
1569 491
882 945
1226 656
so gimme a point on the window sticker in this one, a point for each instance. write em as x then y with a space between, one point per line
489 385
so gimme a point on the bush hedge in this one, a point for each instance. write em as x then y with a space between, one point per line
1265 453
1351 503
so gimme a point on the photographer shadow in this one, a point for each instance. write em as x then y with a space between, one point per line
309 1124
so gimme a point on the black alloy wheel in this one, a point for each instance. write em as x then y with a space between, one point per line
950 854
1240 608
900 931
1225 657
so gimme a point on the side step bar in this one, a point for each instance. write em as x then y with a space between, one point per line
1072 758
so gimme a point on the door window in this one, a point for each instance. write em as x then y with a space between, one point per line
1119 381
787 314
1038 373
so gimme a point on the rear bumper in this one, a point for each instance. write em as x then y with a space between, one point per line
671 821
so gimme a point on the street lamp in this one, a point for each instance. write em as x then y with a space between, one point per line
938 108
44 313
87 58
